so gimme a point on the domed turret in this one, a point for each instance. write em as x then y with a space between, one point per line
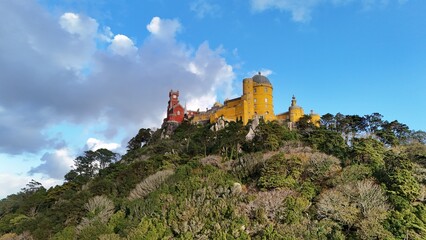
259 78
295 112
294 103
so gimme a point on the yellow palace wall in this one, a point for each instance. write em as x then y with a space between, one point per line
257 100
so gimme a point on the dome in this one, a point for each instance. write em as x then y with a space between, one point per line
294 103
217 104
259 78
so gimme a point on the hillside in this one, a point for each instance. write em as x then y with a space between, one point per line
355 177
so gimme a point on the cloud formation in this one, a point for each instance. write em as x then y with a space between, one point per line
95 144
163 28
82 26
301 10
55 165
13 183
203 8
123 46
52 72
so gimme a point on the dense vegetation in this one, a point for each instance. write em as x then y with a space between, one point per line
353 178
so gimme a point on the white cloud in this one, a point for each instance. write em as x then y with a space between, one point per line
12 183
203 8
95 144
191 68
55 165
201 103
41 85
123 46
301 10
85 27
163 28
106 35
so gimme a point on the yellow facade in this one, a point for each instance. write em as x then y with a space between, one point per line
315 118
257 100
295 113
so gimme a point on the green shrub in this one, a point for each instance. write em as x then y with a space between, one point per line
279 171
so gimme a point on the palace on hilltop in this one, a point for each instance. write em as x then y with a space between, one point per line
257 101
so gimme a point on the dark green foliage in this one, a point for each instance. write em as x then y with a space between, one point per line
352 173
230 139
393 133
293 210
280 171
143 137
367 151
400 179
356 177
327 142
270 136
92 161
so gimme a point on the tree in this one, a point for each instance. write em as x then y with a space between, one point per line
305 124
143 137
270 136
400 179
230 139
356 124
367 151
90 163
359 206
373 122
328 142
418 136
32 187
105 157
393 133
328 121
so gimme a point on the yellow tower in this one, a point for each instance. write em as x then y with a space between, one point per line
262 98
295 112
315 118
247 98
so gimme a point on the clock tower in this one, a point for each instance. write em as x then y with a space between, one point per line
175 111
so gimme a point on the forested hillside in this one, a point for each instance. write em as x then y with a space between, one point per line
355 177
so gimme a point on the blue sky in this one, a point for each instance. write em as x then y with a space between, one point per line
79 75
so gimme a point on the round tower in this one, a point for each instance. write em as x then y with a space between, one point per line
295 111
262 97
248 99
315 118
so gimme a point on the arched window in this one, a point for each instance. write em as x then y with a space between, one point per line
178 113
266 100
255 100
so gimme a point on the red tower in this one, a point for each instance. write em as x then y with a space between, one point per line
175 111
